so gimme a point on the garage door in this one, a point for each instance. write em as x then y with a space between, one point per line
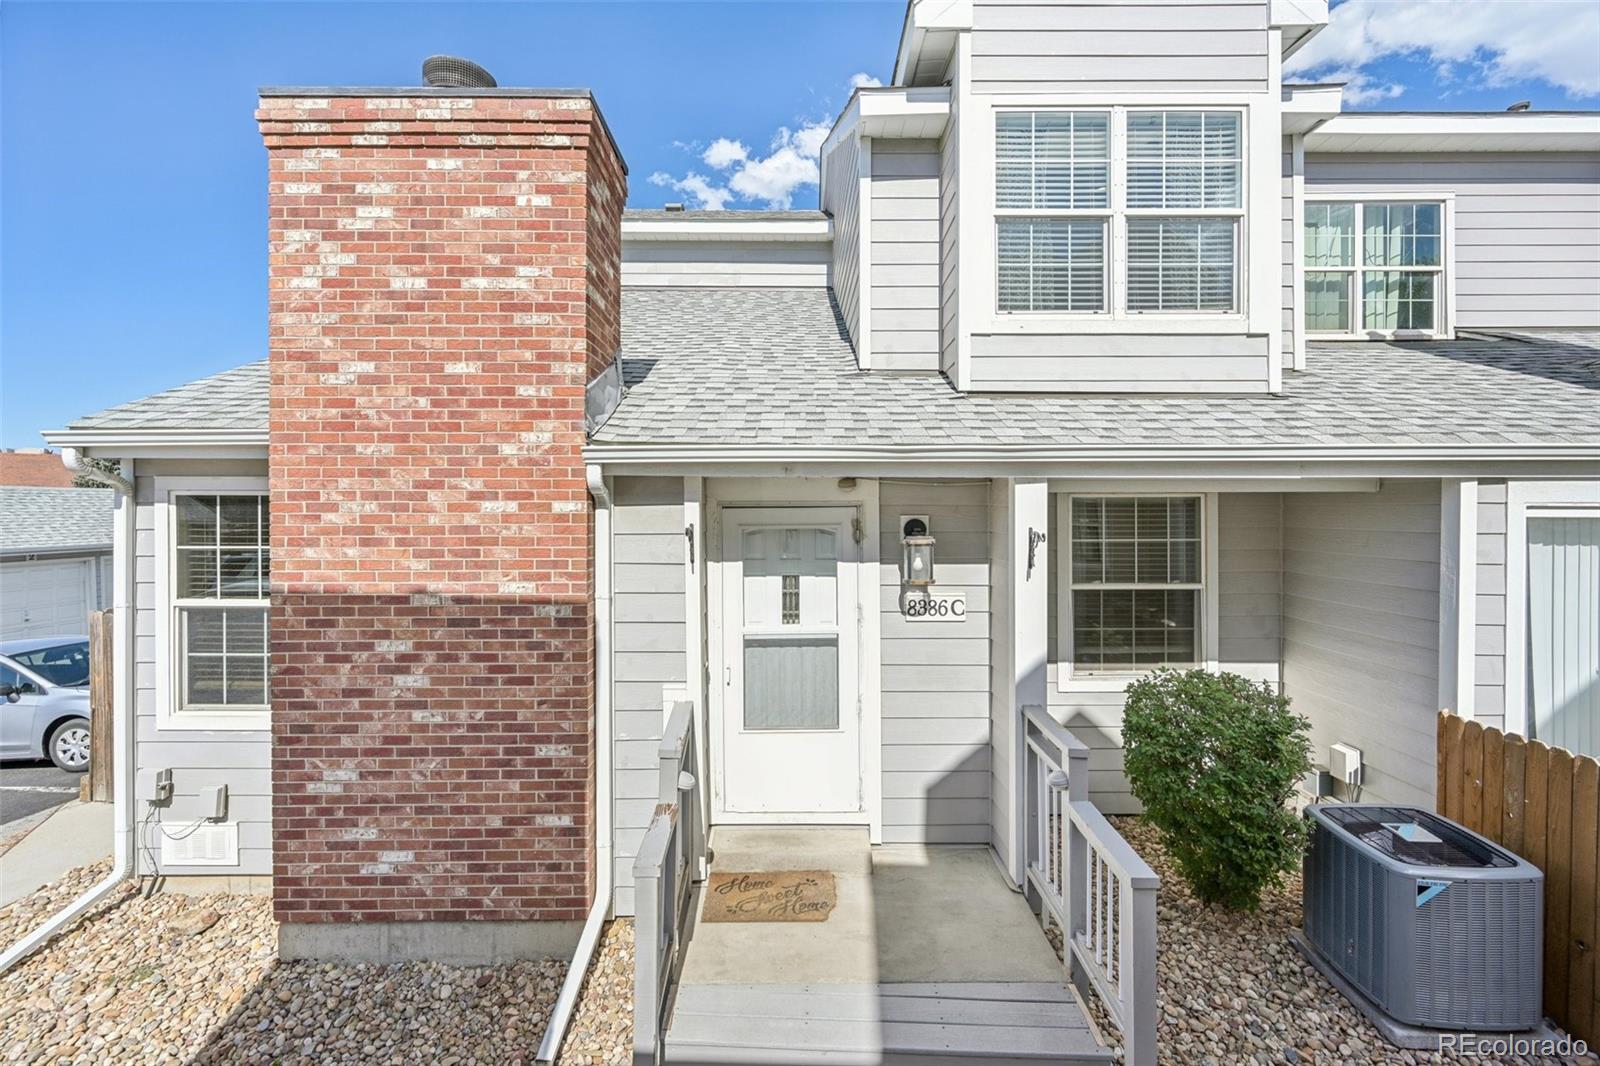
45 598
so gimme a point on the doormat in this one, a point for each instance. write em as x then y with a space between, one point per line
777 896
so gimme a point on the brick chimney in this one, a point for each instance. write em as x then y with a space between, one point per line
444 282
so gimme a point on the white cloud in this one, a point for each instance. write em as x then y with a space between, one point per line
725 152
707 197
1554 41
863 80
742 176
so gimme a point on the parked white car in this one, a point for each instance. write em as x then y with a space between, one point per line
44 683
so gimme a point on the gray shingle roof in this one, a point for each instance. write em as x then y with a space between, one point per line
233 399
772 367
52 520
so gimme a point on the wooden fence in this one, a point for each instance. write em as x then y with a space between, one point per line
1544 804
96 784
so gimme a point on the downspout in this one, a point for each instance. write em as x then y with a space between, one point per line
583 955
122 773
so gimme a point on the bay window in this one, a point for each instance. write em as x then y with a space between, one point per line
1160 191
219 591
1373 266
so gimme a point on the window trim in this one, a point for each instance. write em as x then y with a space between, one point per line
1070 680
168 667
1117 317
1524 500
1444 297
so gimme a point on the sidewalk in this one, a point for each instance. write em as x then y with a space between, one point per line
77 834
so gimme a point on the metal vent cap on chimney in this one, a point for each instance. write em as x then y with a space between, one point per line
453 72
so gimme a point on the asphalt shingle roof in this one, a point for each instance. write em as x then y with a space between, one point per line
233 399
36 519
773 367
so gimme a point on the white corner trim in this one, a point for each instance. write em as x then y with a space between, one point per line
1522 497
166 660
1458 595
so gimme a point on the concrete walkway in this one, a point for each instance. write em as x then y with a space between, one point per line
75 835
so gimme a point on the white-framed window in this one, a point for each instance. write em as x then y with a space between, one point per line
1375 266
213 543
1133 584
1053 207
1158 190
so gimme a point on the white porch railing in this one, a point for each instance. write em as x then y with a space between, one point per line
1095 886
671 859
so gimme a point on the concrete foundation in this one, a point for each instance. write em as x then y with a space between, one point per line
454 943
213 884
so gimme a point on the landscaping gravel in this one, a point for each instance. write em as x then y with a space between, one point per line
1233 989
194 979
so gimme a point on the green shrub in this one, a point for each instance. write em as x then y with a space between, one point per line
1214 759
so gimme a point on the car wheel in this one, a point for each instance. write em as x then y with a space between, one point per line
69 745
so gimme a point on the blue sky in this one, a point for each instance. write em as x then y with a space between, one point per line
132 178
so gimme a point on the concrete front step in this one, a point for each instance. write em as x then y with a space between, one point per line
881 1025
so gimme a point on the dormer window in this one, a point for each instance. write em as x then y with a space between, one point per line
1118 212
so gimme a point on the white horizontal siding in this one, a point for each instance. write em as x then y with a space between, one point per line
1094 362
906 237
198 758
949 232
648 653
936 759
1133 45
1289 218
726 264
1527 228
1489 692
841 198
1361 629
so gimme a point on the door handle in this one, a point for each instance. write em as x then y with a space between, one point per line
727 676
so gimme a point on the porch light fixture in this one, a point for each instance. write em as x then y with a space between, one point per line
917 567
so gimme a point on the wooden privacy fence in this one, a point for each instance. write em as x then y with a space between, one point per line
96 784
1544 804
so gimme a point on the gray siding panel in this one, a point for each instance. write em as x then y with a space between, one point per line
240 759
1489 696
1119 362
936 759
949 233
841 198
1249 634
1361 629
1527 228
1142 45
1289 218
726 264
905 236
648 653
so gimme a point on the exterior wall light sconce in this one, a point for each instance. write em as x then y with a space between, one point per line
917 566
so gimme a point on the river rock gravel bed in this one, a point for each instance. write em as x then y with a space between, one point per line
1233 989
194 979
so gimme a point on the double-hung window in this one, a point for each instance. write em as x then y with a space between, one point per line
1373 266
1184 205
1159 192
1135 582
1053 199
219 589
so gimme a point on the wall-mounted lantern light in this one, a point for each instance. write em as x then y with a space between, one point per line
917 568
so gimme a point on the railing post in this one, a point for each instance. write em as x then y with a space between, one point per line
647 961
1137 972
1074 879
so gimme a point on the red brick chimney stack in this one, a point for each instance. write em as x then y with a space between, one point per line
444 283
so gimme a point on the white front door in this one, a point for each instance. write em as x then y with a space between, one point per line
790 712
